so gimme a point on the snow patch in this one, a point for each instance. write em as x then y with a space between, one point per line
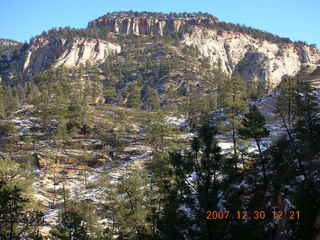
179 121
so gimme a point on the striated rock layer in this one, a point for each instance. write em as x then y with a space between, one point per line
66 52
149 25
44 52
255 59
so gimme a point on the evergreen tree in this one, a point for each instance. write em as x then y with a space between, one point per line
71 226
199 188
150 98
286 103
254 127
16 221
234 100
128 205
109 93
159 133
134 97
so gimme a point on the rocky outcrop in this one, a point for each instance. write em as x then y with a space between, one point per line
8 43
254 59
236 52
162 25
44 52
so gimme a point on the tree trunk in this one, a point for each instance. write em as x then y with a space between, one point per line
234 141
263 165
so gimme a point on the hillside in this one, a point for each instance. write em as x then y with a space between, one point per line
257 56
8 45
158 126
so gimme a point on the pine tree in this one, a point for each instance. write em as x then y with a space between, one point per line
254 127
197 173
286 103
33 94
159 134
235 102
129 207
71 226
16 221
109 93
134 97
150 98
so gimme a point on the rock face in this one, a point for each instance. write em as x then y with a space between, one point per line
162 25
255 59
8 43
43 52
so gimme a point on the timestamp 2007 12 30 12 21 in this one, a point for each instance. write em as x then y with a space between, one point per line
252 215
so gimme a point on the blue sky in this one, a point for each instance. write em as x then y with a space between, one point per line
296 19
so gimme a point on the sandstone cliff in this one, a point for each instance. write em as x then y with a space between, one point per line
8 43
149 25
66 52
267 58
43 52
255 59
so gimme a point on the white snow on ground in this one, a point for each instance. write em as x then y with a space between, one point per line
76 188
221 202
287 205
138 148
142 156
186 136
242 184
186 210
225 146
23 125
52 218
300 178
179 121
105 221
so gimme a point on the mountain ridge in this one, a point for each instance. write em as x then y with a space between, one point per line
256 55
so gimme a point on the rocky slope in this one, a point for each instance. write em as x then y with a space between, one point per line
69 53
44 52
148 24
256 55
255 59
8 43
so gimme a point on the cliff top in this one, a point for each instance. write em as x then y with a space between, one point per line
8 42
160 15
206 20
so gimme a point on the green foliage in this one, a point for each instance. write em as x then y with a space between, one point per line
150 98
71 226
254 125
200 192
7 129
286 103
158 133
134 95
16 221
128 205
234 98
